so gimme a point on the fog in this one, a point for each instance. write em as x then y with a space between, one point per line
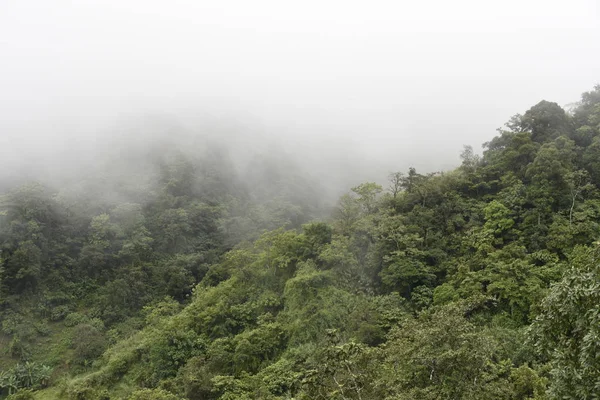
350 90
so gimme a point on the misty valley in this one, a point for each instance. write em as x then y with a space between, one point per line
172 271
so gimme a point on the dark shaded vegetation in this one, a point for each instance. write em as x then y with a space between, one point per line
188 280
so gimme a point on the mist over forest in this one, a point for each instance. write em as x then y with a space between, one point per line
382 88
312 201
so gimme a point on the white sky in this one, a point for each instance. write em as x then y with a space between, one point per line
402 82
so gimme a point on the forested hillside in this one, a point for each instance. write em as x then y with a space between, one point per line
171 275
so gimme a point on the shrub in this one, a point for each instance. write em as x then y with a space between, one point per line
42 328
88 343
25 394
75 318
153 394
58 313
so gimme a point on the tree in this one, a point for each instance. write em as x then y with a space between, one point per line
396 180
343 371
587 112
346 214
545 121
442 355
578 183
367 196
567 330
470 160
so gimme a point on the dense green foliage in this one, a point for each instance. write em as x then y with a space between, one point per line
478 283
